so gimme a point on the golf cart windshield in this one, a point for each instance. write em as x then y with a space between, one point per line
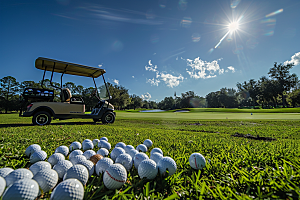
102 93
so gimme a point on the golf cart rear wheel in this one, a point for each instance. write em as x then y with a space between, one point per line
41 118
108 118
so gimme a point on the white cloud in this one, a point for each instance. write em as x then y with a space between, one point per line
295 59
153 81
116 81
132 76
203 69
170 80
146 96
150 67
231 68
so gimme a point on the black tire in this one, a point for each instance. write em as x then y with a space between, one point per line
108 118
41 118
96 120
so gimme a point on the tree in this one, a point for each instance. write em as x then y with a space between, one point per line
10 87
293 98
212 100
136 101
71 86
29 84
251 87
167 103
285 81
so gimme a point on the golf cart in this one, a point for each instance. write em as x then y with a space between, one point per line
41 104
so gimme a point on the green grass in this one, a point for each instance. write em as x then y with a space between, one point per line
237 168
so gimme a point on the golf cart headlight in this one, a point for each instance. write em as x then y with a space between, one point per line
29 106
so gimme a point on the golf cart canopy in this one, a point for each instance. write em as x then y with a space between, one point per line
67 68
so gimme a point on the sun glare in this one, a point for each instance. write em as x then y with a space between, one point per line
233 26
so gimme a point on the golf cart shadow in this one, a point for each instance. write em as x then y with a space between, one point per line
58 123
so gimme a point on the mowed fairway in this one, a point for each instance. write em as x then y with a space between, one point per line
210 115
237 167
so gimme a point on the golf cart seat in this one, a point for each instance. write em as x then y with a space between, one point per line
66 96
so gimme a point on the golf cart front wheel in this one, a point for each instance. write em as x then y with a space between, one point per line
41 118
108 118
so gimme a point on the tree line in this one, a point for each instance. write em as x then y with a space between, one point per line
279 89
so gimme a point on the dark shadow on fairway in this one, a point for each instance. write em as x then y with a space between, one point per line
62 123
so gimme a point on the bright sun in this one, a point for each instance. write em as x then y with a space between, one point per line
233 26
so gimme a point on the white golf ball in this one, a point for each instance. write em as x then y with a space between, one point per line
47 179
104 144
156 150
54 158
156 157
197 161
38 156
77 159
5 171
142 148
89 165
87 146
75 145
132 153
86 140
75 153
102 165
148 143
128 148
22 189
116 152
31 149
103 152
63 150
125 160
38 166
167 163
114 176
121 144
67 190
104 138
79 172
95 142
148 169
89 153
18 174
2 185
138 158
62 167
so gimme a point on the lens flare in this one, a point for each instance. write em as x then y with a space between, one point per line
274 13
234 3
186 22
196 37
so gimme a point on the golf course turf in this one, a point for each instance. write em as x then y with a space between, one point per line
236 167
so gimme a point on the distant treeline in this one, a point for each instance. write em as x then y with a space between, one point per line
279 89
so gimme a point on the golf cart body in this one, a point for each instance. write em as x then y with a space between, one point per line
43 107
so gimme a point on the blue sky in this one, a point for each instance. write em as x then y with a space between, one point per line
153 48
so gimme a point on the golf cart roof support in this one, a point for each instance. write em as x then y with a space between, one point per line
52 77
42 83
61 85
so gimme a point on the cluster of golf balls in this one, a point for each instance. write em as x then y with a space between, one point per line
43 176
